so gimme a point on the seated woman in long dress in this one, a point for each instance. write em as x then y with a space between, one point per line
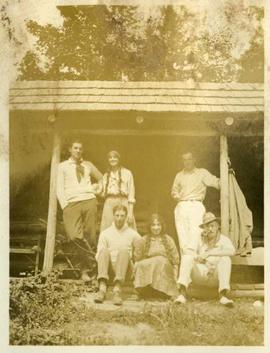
156 262
117 188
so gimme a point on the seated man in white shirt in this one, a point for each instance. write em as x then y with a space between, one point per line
114 252
211 266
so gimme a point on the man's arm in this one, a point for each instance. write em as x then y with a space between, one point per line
220 252
95 173
227 249
60 191
175 193
211 180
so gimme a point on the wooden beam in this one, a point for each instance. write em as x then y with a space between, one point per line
224 185
138 133
139 107
135 92
52 211
138 84
165 132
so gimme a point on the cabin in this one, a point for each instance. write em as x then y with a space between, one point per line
151 124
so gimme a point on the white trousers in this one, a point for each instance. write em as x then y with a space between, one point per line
190 271
188 217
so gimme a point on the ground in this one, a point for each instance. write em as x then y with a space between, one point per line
64 313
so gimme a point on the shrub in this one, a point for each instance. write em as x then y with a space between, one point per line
39 309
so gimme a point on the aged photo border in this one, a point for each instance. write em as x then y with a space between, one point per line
5 71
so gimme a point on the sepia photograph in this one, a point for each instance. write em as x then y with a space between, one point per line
135 174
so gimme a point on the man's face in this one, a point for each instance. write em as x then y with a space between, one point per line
211 230
76 150
120 218
188 161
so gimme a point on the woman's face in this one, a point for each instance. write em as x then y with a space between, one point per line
156 227
113 160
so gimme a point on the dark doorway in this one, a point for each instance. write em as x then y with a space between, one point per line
154 162
153 159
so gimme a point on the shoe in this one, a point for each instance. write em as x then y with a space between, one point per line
224 296
226 301
84 277
100 297
181 299
117 300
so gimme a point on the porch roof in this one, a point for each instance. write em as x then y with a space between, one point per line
137 96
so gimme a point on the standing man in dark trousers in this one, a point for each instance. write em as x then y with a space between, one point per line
76 193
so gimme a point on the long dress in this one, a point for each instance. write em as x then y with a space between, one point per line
117 188
156 269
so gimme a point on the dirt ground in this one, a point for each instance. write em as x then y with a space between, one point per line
165 323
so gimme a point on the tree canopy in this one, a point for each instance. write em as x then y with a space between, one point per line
122 43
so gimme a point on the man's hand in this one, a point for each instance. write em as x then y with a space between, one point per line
202 258
130 219
177 196
95 188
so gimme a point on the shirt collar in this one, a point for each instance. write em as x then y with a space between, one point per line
155 237
191 171
125 226
71 160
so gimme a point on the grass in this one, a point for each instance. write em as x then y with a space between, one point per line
52 314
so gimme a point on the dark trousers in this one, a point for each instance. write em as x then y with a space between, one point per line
80 224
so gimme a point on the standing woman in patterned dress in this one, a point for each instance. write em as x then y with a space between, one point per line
117 188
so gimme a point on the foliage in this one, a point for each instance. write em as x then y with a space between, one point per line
115 43
59 313
39 309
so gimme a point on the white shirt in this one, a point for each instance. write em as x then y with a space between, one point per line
192 185
115 239
224 243
69 189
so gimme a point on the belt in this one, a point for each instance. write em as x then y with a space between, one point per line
192 200
116 195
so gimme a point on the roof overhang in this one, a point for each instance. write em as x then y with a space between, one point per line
137 96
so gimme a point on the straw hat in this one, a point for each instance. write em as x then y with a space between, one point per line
209 217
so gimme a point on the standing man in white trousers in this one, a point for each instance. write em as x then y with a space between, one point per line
189 190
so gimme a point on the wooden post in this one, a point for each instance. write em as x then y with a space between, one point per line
52 211
224 185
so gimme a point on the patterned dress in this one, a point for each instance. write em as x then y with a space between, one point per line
155 269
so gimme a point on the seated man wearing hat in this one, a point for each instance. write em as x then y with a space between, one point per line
211 265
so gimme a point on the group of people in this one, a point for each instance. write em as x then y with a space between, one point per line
152 261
